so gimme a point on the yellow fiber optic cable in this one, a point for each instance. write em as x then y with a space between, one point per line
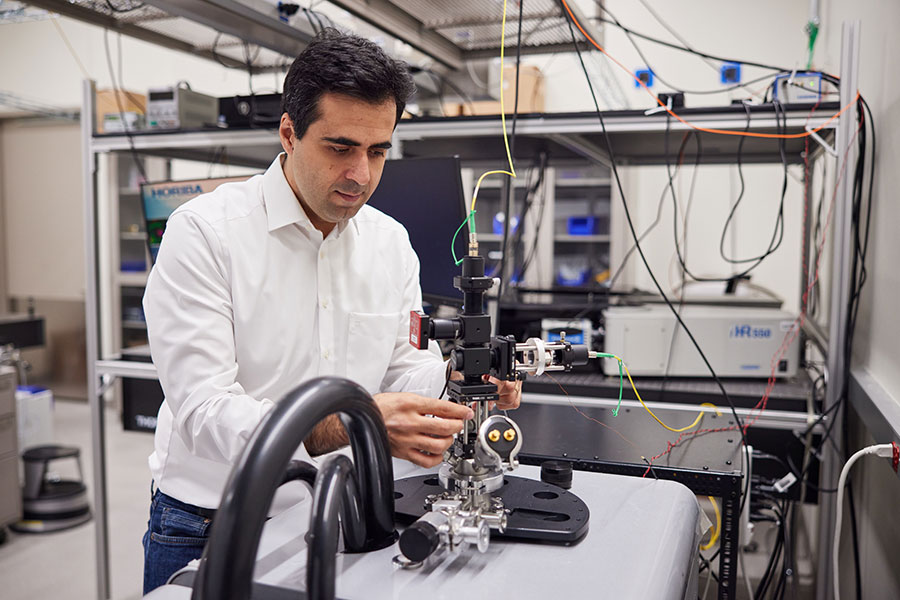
647 408
512 168
641 400
715 534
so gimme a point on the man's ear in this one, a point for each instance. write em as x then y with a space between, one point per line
286 133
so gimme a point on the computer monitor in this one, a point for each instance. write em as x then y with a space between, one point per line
159 200
426 196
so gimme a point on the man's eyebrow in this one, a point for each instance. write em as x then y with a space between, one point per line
342 141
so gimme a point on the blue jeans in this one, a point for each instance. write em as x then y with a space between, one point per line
176 535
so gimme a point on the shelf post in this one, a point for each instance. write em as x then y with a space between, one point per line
838 306
92 336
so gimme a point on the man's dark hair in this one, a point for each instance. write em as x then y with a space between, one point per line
342 64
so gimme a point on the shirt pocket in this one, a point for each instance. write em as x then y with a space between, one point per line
371 340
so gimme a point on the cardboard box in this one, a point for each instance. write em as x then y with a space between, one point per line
531 95
531 89
106 103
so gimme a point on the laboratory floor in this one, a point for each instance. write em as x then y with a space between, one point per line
61 565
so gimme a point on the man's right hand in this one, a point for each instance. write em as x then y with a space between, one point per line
420 428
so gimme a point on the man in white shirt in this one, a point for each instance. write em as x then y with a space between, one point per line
263 284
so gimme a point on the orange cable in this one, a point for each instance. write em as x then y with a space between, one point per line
783 136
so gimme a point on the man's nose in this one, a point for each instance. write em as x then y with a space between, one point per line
359 170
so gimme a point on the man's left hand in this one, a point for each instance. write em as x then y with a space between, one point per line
510 393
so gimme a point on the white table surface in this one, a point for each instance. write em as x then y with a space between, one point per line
641 543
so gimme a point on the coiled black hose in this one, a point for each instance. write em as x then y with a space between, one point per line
335 489
228 569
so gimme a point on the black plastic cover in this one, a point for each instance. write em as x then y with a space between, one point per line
419 540
557 472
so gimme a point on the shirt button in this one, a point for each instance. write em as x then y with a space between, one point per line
326 355
325 303
322 254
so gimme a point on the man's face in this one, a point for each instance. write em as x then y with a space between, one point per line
337 164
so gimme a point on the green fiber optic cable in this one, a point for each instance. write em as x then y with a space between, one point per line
812 29
621 376
471 221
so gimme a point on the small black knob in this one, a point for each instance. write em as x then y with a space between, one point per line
419 540
557 472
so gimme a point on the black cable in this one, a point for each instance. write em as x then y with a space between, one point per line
705 564
215 54
317 17
634 235
658 218
310 21
507 207
768 574
440 81
446 381
248 62
118 91
665 380
865 247
800 478
527 203
539 166
120 10
439 87
689 50
790 467
740 170
778 233
828 77
540 218
858 276
459 92
629 35
786 561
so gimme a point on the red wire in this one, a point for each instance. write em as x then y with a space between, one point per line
782 136
799 321
789 337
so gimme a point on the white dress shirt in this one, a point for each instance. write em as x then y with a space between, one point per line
247 300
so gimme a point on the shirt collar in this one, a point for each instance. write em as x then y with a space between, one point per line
282 206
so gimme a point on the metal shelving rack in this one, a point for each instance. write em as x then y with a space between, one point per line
637 140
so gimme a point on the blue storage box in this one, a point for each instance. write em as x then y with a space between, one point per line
133 266
499 218
582 225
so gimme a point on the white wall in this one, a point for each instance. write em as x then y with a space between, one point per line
4 300
43 230
716 27
716 189
878 331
